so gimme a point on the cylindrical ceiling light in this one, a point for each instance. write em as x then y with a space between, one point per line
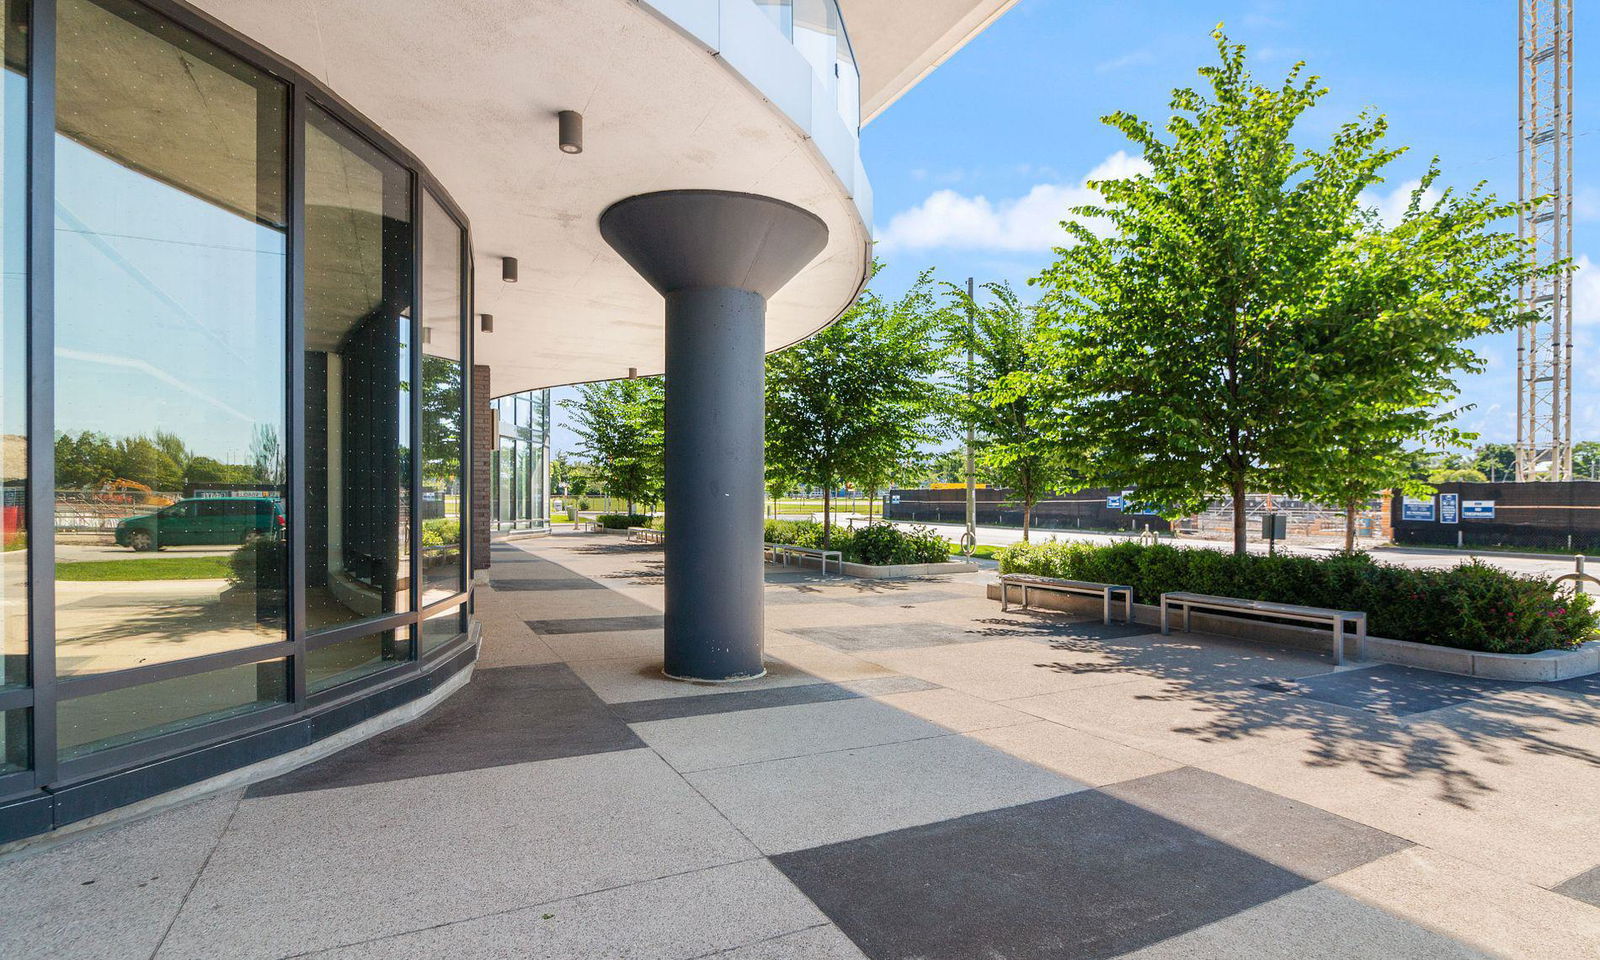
633 372
508 269
427 333
486 322
571 124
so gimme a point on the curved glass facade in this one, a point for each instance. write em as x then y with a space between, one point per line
235 452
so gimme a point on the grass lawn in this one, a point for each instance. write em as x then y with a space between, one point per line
982 551
145 568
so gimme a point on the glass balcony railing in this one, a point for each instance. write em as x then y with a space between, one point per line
817 30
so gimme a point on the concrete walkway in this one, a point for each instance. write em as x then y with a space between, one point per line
920 776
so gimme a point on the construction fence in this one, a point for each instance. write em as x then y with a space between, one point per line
1541 516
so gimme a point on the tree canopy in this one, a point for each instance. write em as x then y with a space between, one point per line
620 426
856 401
1246 323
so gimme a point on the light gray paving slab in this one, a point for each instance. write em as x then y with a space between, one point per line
804 802
704 913
107 895
727 739
1315 922
818 943
305 871
640 678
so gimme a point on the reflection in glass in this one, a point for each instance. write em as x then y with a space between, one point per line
358 377
103 720
14 739
14 353
442 627
443 562
353 659
170 159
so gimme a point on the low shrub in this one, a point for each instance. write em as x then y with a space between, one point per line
622 521
878 544
440 531
1472 606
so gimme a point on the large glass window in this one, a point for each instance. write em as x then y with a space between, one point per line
346 660
13 360
103 720
358 377
169 327
518 464
443 563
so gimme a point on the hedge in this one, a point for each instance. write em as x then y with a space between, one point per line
622 521
877 544
1472 606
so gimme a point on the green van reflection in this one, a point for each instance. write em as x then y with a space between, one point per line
213 520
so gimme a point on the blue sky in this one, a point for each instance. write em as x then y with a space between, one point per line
974 167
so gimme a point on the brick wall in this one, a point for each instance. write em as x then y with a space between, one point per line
485 434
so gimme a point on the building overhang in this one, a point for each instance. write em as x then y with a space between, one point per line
671 100
898 42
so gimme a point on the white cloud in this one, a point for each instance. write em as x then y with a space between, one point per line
1392 206
1586 293
951 220
1138 58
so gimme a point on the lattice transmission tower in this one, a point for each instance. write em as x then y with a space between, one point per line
1544 164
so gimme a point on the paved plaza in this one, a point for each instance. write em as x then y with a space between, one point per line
919 776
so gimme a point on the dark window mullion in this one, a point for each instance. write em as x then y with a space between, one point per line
415 641
295 372
41 382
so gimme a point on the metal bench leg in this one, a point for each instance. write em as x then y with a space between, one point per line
1361 639
1107 605
1164 629
1005 597
1127 607
1186 618
1338 641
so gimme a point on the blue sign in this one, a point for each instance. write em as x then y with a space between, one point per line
1114 503
1412 508
1449 508
1477 509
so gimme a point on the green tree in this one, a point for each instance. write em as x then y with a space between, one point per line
1466 475
858 398
620 428
441 419
1023 444
1497 460
1227 332
1586 460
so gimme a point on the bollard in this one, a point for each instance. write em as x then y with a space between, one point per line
1460 540
1581 586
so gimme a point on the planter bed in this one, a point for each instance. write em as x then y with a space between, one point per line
1545 666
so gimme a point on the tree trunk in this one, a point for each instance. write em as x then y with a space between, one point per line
1350 527
1027 520
827 502
1241 525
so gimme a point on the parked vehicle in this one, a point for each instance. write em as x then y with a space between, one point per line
210 520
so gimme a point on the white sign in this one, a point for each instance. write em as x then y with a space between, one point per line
1477 509
1449 508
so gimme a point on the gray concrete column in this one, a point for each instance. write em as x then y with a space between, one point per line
716 257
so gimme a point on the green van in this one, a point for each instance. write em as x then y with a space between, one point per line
216 520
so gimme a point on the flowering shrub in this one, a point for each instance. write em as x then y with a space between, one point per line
1472 606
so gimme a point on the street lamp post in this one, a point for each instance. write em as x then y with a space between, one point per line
969 540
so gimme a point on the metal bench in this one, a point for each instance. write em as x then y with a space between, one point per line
783 551
1085 588
587 526
1287 611
647 535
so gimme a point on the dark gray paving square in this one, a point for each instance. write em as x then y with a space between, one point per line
1392 690
1585 887
888 636
505 715
548 583
1075 877
1092 874
672 708
1586 685
1306 840
599 624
